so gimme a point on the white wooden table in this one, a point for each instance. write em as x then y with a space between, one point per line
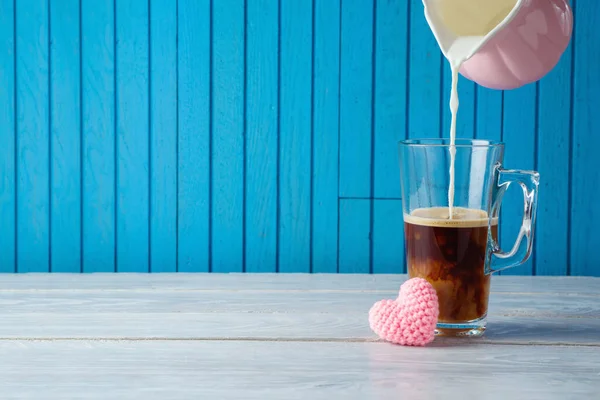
284 337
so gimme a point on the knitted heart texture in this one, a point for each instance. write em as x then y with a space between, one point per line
409 320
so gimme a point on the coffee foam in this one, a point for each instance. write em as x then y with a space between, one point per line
439 217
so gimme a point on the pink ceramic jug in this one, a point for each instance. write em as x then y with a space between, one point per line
521 49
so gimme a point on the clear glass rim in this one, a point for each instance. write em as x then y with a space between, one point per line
439 142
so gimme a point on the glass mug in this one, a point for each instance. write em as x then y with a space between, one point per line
457 256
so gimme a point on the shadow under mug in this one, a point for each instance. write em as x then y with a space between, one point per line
458 255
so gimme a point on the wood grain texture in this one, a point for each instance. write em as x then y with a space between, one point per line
554 122
132 145
519 132
155 370
425 78
262 42
277 327
390 100
356 98
286 326
33 143
355 236
326 113
227 150
151 336
382 283
295 136
163 135
65 131
98 136
302 302
585 216
7 137
194 90
388 237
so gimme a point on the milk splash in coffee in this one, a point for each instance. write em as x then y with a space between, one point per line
470 21
450 254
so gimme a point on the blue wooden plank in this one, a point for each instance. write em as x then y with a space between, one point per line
554 120
325 136
356 97
98 136
488 114
228 136
194 135
519 134
295 136
355 236
33 136
425 78
261 140
391 55
163 136
131 18
7 137
65 117
585 190
489 104
388 237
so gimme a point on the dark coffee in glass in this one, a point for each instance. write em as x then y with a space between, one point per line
451 255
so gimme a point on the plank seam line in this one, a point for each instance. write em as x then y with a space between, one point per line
529 316
50 136
81 147
438 344
326 291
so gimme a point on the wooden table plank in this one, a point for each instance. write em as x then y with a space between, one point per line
279 282
290 336
274 370
160 301
279 326
324 314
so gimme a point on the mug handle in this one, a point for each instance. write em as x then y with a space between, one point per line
529 182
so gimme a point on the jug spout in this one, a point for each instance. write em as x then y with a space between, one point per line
462 27
501 44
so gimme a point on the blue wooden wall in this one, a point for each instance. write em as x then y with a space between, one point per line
260 135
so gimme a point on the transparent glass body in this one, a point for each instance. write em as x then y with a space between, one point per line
457 254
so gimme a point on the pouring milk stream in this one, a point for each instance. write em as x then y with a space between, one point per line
470 21
535 34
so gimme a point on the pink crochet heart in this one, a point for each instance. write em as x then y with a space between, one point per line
411 318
